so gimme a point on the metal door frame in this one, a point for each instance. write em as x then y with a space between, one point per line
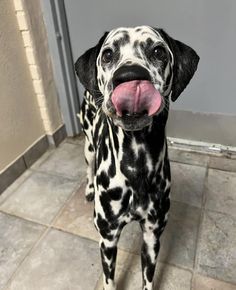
62 61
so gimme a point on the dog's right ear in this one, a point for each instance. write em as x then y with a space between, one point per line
85 67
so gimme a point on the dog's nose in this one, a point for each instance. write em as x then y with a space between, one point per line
128 73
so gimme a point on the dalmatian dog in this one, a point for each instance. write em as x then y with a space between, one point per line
130 77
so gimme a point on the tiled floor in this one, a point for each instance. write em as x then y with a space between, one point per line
48 241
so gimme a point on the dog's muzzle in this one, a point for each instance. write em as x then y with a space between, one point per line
134 94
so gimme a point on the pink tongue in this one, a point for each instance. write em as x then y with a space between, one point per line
135 97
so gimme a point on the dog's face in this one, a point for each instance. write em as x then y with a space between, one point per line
133 71
132 66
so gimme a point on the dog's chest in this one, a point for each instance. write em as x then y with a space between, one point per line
129 172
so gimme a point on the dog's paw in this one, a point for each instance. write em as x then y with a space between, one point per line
89 193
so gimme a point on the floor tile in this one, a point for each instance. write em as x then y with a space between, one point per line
227 164
13 187
60 262
131 238
217 248
17 237
43 158
187 183
220 191
67 160
188 157
129 276
178 242
77 216
172 278
206 283
39 197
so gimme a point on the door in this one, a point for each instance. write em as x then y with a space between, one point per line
207 26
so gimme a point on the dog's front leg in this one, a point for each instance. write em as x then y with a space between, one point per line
150 250
108 250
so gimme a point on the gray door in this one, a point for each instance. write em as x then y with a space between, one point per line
206 111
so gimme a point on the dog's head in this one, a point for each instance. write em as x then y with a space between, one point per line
132 72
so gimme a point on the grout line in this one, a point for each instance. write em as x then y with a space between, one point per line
200 226
47 154
67 201
79 143
32 249
217 279
52 227
158 261
50 173
27 219
187 163
204 197
221 169
186 204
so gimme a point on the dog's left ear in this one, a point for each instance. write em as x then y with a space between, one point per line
85 67
185 63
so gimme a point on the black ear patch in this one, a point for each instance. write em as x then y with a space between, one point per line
185 64
85 67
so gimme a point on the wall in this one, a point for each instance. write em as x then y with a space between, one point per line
206 111
40 61
20 121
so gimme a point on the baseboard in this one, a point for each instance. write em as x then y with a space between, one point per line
58 136
32 154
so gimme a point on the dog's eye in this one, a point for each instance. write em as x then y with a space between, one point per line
107 55
158 51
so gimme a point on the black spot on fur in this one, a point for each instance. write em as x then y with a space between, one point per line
123 40
112 171
90 148
104 228
103 179
115 193
104 149
150 271
125 202
149 42
85 125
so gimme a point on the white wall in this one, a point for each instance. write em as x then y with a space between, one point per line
20 120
